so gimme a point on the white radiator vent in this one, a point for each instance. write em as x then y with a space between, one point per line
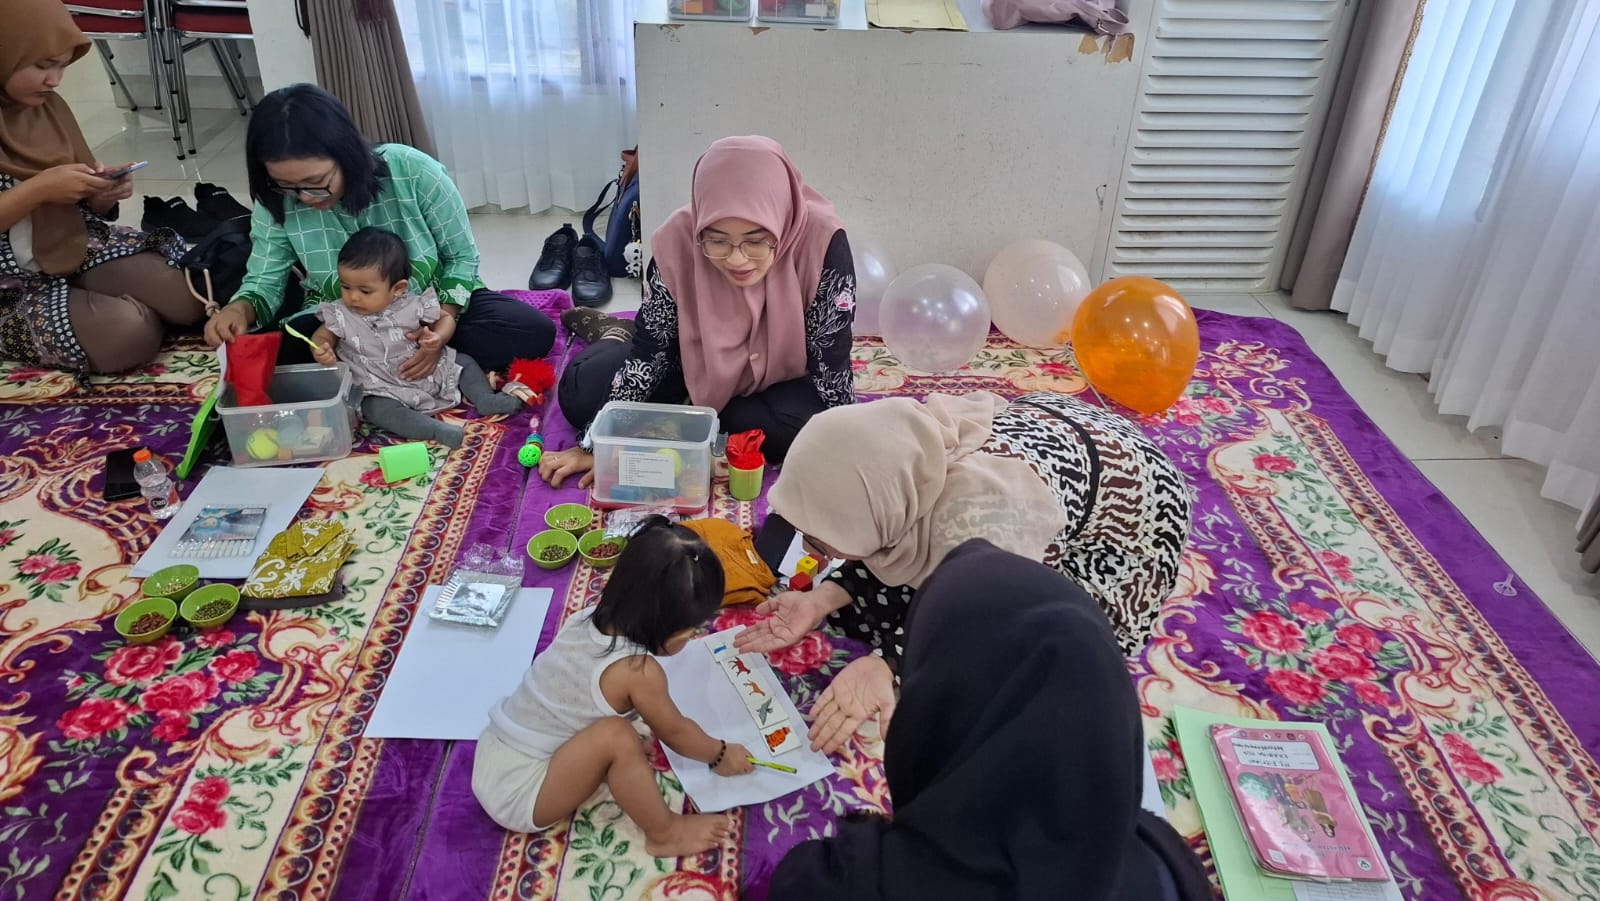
1231 104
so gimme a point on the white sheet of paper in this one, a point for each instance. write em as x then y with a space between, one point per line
448 674
1152 789
1345 891
282 491
705 695
796 551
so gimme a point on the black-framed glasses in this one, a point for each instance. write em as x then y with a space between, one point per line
312 193
720 249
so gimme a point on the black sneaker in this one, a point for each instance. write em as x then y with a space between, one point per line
175 213
216 202
591 286
554 269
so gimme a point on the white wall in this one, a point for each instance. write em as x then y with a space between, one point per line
285 51
944 146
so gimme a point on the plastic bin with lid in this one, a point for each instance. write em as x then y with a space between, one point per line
312 417
653 454
801 12
709 10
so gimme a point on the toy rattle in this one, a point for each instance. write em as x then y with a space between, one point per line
532 451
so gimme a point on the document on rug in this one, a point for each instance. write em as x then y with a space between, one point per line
280 492
706 692
1230 850
449 674
942 15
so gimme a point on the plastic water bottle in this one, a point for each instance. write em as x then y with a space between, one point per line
154 484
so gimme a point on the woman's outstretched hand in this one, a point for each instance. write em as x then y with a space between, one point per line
556 467
862 690
789 616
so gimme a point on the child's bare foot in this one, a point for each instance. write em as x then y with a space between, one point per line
688 834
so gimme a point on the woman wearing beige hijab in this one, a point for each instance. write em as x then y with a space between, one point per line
76 292
894 485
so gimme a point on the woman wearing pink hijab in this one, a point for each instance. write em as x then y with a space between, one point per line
747 310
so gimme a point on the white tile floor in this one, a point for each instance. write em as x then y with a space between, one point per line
1499 495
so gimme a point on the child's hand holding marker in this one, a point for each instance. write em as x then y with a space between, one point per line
735 761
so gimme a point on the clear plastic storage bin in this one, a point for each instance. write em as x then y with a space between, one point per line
656 454
712 10
312 417
804 12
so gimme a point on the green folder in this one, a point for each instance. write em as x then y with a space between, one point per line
1241 879
200 432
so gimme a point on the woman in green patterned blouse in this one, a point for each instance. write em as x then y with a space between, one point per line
316 181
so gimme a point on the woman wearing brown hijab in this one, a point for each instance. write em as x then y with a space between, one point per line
76 292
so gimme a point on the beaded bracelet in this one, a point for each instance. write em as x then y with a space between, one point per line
724 750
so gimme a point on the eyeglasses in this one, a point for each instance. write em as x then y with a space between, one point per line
719 249
311 193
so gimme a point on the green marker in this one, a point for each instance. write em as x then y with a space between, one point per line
772 766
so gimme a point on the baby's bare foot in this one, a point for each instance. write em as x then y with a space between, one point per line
688 834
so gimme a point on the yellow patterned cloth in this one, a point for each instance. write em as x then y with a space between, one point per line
301 561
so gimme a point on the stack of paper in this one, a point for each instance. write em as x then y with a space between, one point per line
1241 879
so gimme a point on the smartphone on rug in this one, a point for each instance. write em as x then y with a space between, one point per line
120 483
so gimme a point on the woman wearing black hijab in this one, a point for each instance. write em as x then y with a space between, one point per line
1013 758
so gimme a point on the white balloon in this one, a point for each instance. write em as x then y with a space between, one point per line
1034 289
934 317
874 271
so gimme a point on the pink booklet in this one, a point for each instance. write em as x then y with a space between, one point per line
1297 815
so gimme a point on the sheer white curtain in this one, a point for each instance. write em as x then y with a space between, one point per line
529 101
1476 257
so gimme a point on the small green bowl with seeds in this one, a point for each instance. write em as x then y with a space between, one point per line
573 518
599 551
175 582
211 606
147 620
552 548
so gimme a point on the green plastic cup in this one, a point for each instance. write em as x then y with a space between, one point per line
745 484
399 462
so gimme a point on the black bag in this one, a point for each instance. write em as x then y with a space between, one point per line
622 252
215 268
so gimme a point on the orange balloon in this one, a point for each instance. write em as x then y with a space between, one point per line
1137 342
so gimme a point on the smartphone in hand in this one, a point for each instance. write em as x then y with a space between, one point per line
125 171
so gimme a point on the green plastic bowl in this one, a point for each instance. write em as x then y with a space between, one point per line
174 582
125 619
190 608
560 515
594 539
550 538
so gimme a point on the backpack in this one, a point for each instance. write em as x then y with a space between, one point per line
215 268
621 250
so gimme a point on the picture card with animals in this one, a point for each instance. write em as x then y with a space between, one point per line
707 682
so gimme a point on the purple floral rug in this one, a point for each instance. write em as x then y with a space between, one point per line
1326 579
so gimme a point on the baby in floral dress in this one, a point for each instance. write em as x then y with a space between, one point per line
370 327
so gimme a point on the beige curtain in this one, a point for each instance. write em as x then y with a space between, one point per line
361 59
1589 539
1380 43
